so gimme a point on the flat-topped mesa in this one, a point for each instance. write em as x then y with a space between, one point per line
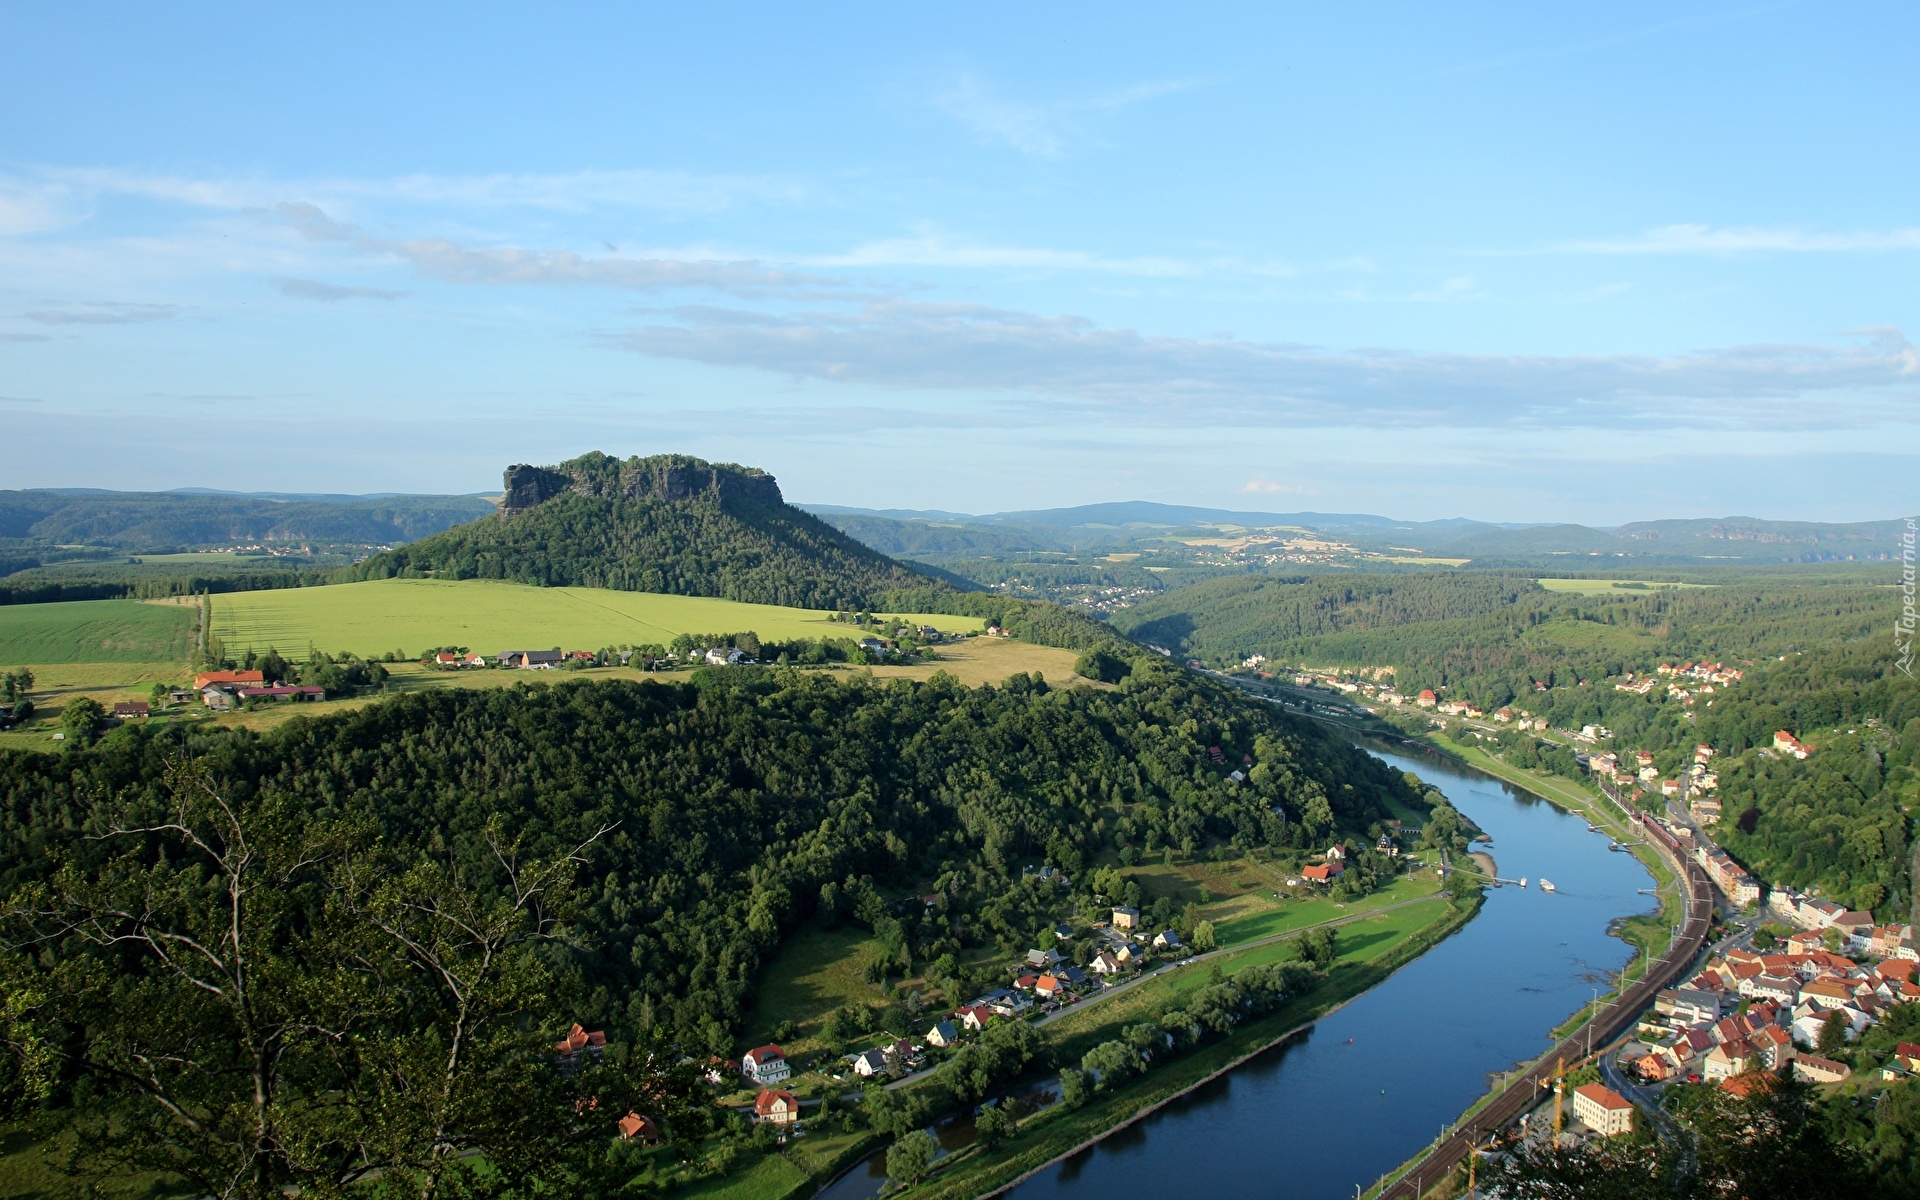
663 476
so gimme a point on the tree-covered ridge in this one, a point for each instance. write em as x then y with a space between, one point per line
742 802
1493 637
667 524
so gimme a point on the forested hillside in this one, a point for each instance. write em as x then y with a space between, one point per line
1493 637
738 796
664 524
1817 659
495 864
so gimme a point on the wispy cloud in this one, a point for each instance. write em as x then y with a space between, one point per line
453 262
1606 42
572 192
314 289
933 250
1153 378
24 337
1271 488
104 314
1038 128
1708 239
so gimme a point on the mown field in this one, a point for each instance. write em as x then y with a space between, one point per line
95 631
414 615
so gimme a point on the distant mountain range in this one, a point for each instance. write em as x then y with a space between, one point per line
194 517
936 533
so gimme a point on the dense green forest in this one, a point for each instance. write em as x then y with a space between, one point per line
1490 636
1816 658
676 832
663 524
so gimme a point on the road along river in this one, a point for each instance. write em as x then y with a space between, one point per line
1368 1087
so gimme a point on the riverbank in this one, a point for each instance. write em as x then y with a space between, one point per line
1650 935
1435 1169
1057 1134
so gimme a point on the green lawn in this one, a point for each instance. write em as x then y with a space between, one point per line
815 972
32 1154
413 615
1299 914
771 1177
92 631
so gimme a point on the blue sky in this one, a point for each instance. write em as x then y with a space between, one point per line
1606 264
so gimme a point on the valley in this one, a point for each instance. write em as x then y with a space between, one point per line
938 843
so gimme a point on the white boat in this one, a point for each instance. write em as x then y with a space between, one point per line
1546 885
1523 881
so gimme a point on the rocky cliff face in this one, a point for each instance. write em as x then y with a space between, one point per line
527 486
664 477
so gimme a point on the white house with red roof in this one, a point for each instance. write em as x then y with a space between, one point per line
766 1066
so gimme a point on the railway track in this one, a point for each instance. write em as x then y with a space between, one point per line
1522 1093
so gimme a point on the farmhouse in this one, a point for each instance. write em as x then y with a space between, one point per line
127 709
531 660
1322 872
207 679
766 1065
776 1108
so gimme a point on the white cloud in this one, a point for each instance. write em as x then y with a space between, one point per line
454 262
314 289
1707 239
104 314
933 250
573 192
1157 379
1040 129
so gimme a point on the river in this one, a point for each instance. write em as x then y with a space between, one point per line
1365 1088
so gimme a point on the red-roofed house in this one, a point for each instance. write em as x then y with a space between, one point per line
1908 1056
776 1108
766 1065
1814 1069
633 1127
974 1017
579 1041
1602 1109
1322 872
1749 1082
207 679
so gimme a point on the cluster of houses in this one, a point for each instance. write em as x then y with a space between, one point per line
222 690
1639 771
1685 683
1747 1011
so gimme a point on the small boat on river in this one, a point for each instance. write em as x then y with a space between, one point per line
1546 885
1523 881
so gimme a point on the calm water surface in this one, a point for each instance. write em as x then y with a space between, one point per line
1310 1119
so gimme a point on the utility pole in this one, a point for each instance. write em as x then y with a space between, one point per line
1591 1018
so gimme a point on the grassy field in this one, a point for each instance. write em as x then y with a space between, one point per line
413 615
815 972
1595 587
95 631
1285 917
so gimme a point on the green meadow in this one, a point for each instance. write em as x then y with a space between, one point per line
1595 587
413 615
96 631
